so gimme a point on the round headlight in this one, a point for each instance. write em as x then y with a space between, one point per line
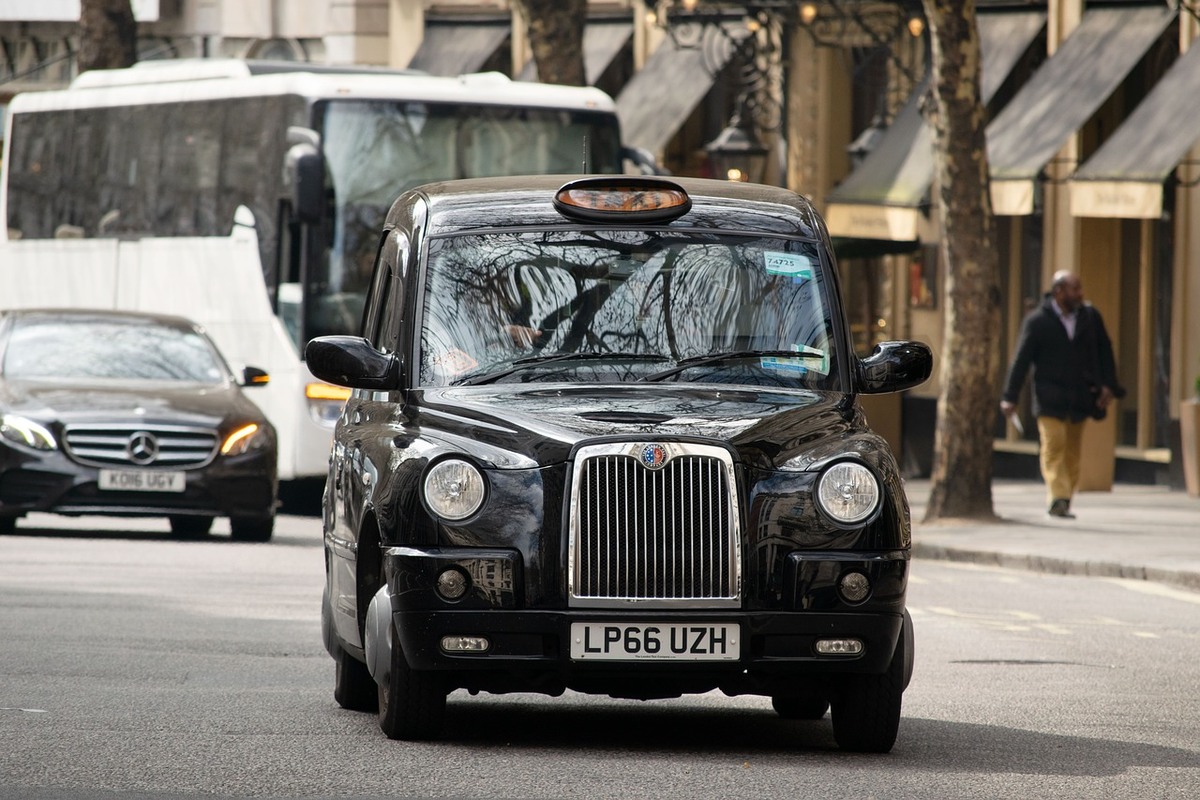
848 492
453 489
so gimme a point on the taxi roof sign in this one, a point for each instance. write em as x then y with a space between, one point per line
625 199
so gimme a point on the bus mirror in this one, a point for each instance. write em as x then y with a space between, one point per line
643 159
306 172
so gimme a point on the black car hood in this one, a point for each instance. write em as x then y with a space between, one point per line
203 405
543 424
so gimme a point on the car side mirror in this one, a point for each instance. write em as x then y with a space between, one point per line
894 367
253 376
352 361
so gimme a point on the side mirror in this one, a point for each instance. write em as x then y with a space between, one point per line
306 173
643 159
253 376
352 361
894 367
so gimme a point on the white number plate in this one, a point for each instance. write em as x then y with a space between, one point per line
134 480
613 641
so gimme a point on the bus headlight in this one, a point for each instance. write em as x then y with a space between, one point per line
453 489
244 440
325 402
23 431
848 492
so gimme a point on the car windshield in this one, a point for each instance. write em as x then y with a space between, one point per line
46 348
625 305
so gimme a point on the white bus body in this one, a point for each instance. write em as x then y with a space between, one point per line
160 225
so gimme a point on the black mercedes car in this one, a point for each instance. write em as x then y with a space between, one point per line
604 437
130 414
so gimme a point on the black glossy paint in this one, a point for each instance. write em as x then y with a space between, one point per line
523 437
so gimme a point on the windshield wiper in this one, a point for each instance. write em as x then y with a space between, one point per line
533 361
733 355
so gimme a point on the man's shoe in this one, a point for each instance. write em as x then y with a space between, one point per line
1061 508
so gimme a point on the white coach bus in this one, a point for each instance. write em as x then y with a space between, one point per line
249 197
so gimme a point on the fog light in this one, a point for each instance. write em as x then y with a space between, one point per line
839 647
854 587
464 644
453 583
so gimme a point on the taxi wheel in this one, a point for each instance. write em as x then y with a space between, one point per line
353 687
190 527
866 712
412 704
252 529
809 706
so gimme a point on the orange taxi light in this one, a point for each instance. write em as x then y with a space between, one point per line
323 391
630 199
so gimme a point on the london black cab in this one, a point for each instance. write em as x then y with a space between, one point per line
604 437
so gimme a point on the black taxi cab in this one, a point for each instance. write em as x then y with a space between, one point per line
604 437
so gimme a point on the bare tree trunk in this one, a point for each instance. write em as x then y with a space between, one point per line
970 369
107 35
556 36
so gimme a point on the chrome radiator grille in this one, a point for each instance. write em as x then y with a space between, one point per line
664 536
173 446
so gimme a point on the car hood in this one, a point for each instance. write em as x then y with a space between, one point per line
203 405
508 426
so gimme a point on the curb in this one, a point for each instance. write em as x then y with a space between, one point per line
1058 566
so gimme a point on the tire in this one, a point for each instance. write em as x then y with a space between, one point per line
252 529
190 527
7 525
412 704
809 706
353 687
866 710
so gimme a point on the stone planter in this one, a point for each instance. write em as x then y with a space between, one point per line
1189 433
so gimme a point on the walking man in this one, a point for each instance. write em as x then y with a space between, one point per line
1074 377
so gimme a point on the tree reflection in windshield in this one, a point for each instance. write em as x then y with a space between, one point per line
91 349
495 299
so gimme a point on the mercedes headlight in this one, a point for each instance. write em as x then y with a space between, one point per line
454 489
244 440
23 431
848 492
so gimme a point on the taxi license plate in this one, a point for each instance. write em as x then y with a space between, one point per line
650 641
133 480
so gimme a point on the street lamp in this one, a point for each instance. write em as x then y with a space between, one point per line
737 154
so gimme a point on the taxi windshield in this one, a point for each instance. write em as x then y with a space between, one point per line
625 305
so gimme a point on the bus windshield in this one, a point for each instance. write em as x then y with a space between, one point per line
375 150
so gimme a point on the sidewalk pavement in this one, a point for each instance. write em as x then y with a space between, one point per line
1135 531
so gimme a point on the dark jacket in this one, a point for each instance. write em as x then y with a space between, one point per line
1067 373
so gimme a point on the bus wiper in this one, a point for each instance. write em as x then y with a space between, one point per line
733 355
533 361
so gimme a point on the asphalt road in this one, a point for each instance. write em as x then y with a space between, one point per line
135 666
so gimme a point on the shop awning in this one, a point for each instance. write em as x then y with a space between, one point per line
602 41
882 198
455 47
661 96
1063 95
1125 177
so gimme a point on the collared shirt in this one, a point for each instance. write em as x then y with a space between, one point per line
1068 320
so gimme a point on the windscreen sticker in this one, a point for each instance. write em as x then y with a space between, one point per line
798 267
808 359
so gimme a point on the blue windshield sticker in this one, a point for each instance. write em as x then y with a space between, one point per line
808 359
787 264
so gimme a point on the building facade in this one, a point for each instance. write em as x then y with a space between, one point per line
1094 146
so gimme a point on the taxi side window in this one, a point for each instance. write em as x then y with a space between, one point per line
385 299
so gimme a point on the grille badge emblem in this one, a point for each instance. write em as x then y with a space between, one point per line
653 456
142 448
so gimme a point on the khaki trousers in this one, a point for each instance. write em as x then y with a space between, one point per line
1062 441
